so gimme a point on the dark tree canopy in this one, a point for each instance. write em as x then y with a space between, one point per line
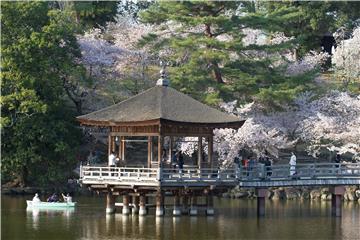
38 130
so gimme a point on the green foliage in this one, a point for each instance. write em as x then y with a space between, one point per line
315 20
39 50
213 69
94 13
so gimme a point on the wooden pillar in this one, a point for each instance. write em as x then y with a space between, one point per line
261 195
142 210
123 144
150 152
185 204
120 147
171 143
135 202
209 204
200 151
193 208
160 204
210 151
109 145
176 210
336 200
160 149
126 209
110 202
113 144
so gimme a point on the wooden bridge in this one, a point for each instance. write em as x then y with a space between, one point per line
258 176
136 179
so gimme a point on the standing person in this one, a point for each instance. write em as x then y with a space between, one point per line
268 166
112 162
163 157
338 160
292 164
174 159
112 159
246 165
181 161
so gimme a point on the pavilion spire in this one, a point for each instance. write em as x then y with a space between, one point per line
163 80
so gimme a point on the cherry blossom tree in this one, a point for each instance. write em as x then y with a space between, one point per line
331 122
346 57
327 123
115 66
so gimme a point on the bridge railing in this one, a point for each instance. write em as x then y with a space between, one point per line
196 174
214 175
301 171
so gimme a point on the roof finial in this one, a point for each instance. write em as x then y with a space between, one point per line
163 81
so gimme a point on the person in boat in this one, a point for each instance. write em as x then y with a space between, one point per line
67 198
53 198
36 198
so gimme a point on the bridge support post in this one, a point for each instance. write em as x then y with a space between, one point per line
210 204
160 204
185 204
177 210
193 208
261 195
110 202
135 202
142 210
336 200
125 209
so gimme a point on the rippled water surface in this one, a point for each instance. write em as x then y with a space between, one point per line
234 219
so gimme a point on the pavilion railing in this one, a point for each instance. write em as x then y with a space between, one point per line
258 172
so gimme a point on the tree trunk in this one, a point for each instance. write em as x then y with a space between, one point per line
23 176
214 64
217 73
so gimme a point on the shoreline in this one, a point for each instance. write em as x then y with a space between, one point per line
352 193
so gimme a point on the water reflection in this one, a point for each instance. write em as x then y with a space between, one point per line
34 214
234 219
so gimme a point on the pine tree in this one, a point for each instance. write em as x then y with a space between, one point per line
315 20
204 42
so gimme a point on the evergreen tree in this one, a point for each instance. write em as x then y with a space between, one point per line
315 20
38 131
89 14
208 57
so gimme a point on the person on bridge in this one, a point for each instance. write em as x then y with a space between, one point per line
112 159
292 164
338 160
181 161
174 159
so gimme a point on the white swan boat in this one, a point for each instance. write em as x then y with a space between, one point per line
50 204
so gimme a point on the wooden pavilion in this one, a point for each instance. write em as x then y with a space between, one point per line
157 113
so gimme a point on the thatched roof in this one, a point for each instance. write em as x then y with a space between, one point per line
161 104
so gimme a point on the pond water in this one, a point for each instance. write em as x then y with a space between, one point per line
234 219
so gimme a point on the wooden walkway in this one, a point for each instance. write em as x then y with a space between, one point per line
257 176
